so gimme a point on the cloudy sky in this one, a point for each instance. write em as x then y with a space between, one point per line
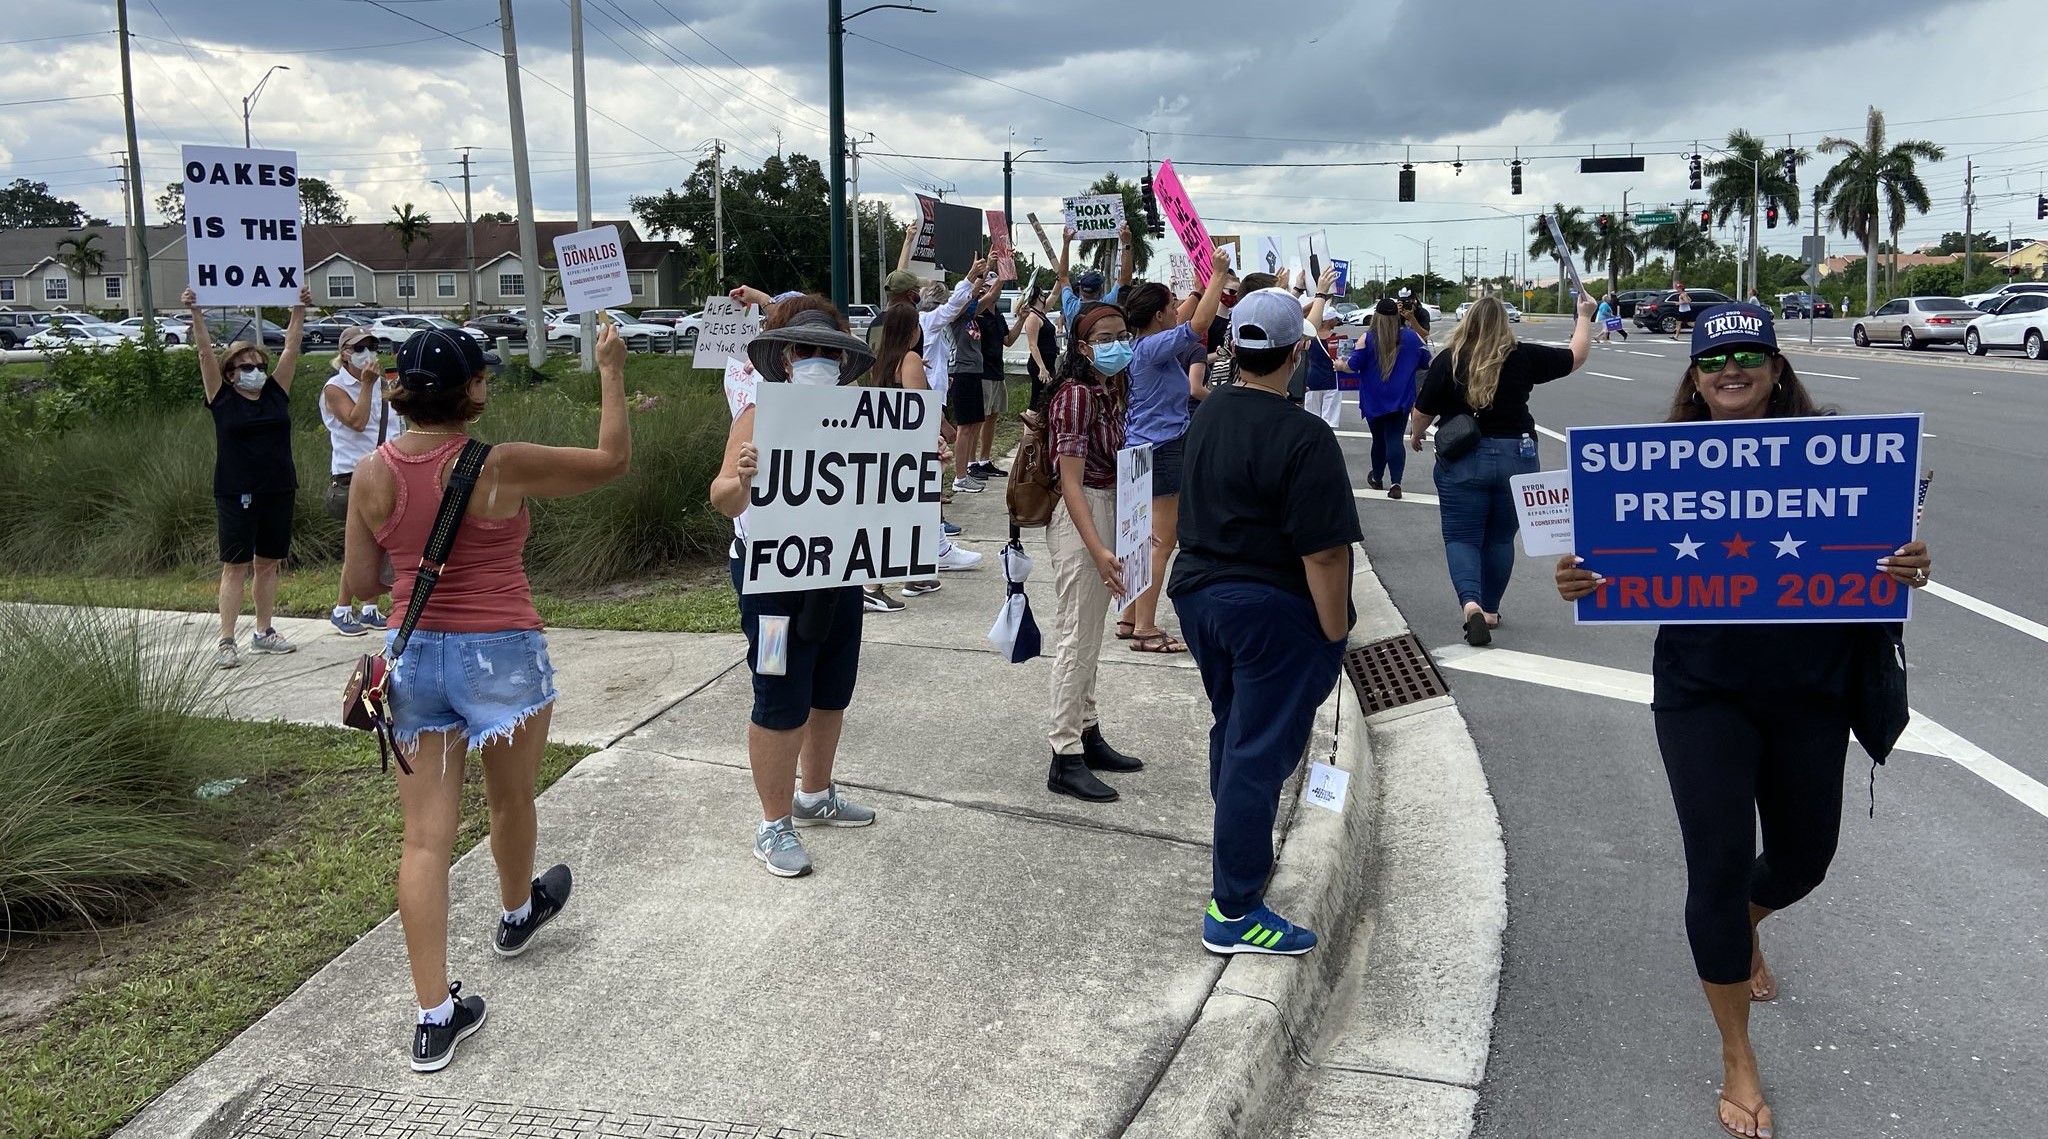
381 93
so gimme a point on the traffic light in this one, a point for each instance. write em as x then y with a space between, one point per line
1605 220
2041 207
1515 176
1790 158
1771 216
1706 221
1407 182
1692 175
1153 225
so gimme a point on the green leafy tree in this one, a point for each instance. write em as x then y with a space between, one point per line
777 228
1576 231
1618 249
410 225
30 205
170 205
499 216
1747 179
321 205
1875 183
1683 239
82 256
1100 251
1952 242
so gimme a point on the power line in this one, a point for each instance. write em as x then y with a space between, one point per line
204 71
62 99
47 39
218 50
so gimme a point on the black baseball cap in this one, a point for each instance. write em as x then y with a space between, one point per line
438 358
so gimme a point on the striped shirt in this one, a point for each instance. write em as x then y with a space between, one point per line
1086 421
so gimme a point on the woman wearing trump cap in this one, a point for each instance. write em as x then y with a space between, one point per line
1752 725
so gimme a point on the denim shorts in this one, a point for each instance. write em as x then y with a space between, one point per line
483 684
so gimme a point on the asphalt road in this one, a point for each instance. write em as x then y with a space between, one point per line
1913 980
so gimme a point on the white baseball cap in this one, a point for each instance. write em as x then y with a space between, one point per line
1268 318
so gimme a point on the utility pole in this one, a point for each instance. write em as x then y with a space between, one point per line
587 341
836 77
522 175
469 223
853 144
1969 214
127 213
136 217
718 208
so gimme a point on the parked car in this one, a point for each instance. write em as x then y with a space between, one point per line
2020 321
1799 306
667 316
1514 314
17 327
328 329
1625 302
862 317
1916 322
393 331
169 329
91 337
685 323
1660 313
510 325
1990 299
226 330
74 319
567 331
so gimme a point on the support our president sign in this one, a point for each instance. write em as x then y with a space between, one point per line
1761 520
243 241
848 488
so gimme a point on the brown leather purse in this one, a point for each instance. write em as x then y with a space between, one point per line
366 698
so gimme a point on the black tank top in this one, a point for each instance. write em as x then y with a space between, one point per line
1048 346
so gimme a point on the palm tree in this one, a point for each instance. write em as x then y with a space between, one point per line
1748 177
1577 233
410 225
1098 252
82 256
1683 239
1617 249
1870 171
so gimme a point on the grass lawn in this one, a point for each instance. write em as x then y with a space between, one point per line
311 847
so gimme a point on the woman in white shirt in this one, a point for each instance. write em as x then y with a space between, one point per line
358 421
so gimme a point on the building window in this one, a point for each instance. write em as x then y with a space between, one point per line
341 286
639 283
408 285
57 288
511 284
444 285
113 285
6 288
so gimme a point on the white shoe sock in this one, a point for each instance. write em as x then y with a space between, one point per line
341 611
440 1014
812 798
519 916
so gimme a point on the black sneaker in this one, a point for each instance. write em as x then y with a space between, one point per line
991 471
550 894
433 1045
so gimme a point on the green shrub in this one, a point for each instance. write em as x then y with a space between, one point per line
98 763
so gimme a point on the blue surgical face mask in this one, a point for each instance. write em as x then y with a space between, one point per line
1111 358
816 370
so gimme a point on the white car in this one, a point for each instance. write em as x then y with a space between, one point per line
169 329
89 337
2020 321
1514 314
391 331
566 330
859 317
1986 300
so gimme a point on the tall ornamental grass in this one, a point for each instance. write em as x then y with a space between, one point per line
98 763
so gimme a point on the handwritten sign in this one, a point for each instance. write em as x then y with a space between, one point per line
243 241
1134 517
1180 273
593 268
1543 505
1759 520
740 382
724 330
1179 212
848 489
1095 216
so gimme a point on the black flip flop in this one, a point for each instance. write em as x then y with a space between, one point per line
1476 633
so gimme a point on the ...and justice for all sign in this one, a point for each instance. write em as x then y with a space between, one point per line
244 244
1762 520
847 491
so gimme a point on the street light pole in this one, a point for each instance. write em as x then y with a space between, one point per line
249 101
835 33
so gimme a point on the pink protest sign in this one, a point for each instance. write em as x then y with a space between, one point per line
1179 213
999 245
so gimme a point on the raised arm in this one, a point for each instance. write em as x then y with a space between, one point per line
1582 332
749 295
1324 284
288 360
963 295
1124 266
903 258
533 471
202 344
1212 297
1061 280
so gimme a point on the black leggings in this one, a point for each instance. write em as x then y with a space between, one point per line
1733 762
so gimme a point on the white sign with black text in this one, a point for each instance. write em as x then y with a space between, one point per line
1095 216
1134 517
848 488
724 330
244 244
593 268
1543 503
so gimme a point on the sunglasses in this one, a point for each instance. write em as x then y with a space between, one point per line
1746 358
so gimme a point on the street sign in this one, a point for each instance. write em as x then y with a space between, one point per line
1657 217
1813 248
1813 276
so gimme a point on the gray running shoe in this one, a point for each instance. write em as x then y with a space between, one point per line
835 811
778 848
226 657
271 641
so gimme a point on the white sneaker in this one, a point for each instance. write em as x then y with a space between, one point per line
955 558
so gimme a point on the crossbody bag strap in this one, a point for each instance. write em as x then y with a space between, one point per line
434 559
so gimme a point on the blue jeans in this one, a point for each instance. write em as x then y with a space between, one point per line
1266 668
1389 451
1478 510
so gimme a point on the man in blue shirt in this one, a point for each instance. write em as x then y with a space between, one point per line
1087 285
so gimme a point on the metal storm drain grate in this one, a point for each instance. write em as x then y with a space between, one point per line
1389 673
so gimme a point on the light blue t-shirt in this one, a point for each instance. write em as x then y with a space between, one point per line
1070 302
1159 385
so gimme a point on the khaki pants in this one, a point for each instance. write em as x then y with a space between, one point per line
1083 605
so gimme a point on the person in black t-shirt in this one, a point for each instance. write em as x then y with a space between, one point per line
1263 588
1482 372
254 480
1753 726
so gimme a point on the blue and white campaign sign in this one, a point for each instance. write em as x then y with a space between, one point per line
1759 520
1343 282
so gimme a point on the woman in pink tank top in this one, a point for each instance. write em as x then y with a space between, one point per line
475 674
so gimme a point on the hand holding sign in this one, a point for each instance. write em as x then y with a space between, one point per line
1573 580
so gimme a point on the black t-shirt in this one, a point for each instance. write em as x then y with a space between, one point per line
1263 484
993 329
1696 662
1048 347
252 442
1508 418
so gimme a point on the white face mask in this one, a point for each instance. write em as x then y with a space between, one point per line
363 359
815 370
249 379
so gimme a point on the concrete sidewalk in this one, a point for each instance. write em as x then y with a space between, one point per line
986 960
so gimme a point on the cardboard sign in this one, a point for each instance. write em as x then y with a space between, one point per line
1094 216
1231 247
243 241
593 269
1563 253
1134 517
1543 505
999 245
1267 257
1757 521
1179 212
1180 273
848 489
724 331
740 382
1328 787
924 246
1315 254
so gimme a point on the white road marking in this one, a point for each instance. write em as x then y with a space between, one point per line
1658 355
1354 434
1611 376
1923 734
1826 375
1406 496
2004 617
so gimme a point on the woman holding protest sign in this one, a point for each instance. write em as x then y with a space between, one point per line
1477 393
469 664
899 363
254 480
803 647
1753 723
1387 359
1085 430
